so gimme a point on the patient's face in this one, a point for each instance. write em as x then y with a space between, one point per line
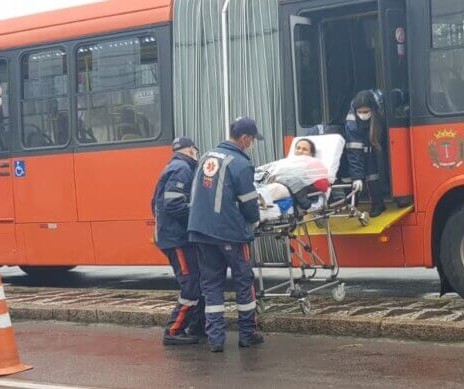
303 148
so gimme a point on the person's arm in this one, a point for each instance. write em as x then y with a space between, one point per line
177 193
247 195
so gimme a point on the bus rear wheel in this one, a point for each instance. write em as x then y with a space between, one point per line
46 271
452 250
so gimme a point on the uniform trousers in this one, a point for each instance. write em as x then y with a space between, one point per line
214 260
189 310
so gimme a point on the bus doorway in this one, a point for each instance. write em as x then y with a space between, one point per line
337 51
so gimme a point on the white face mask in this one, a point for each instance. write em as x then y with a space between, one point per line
364 116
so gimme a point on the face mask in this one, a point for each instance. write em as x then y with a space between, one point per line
364 116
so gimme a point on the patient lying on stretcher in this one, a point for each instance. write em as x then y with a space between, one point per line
288 182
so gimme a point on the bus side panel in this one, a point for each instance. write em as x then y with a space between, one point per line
46 190
365 250
74 23
126 243
8 251
437 158
118 184
400 157
21 246
58 244
413 245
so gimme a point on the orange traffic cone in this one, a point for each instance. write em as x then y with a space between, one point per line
9 358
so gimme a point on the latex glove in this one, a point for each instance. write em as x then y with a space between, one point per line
255 225
358 185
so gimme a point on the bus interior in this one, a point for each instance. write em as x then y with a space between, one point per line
337 53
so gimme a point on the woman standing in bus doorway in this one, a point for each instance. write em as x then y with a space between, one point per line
363 134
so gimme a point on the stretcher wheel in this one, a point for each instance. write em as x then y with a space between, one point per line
260 307
338 293
305 305
364 218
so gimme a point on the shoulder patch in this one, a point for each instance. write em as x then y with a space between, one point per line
180 185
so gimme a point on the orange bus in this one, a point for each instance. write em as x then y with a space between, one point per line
87 119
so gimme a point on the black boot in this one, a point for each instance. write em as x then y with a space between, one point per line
254 339
376 195
377 209
179 339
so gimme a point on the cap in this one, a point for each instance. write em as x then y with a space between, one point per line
245 126
182 142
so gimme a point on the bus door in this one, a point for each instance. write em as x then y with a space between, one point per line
7 214
393 31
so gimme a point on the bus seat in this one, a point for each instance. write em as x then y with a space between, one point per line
455 89
62 128
439 103
127 137
128 131
37 139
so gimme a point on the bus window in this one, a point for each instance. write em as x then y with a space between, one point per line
118 90
5 132
44 104
447 56
307 73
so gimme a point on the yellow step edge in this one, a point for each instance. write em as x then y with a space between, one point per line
352 226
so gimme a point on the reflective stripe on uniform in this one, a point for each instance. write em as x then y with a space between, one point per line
195 178
5 321
189 303
373 177
355 145
248 196
220 184
215 308
173 195
246 307
2 293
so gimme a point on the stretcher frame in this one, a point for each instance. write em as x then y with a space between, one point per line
283 229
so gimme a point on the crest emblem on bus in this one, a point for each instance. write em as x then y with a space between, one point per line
446 149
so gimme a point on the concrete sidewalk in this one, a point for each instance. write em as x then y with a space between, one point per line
431 318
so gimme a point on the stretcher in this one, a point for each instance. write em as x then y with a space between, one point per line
290 240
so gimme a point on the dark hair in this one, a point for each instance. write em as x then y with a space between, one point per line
365 98
312 152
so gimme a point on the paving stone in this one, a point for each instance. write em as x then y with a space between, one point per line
426 319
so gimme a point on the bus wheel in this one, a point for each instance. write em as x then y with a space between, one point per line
452 250
46 271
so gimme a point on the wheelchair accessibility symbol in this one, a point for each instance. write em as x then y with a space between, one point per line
19 168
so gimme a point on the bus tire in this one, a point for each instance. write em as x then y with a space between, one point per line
46 271
452 250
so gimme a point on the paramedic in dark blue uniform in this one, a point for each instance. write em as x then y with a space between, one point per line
170 207
223 211
363 134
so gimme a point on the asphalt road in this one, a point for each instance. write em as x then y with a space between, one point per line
118 357
389 282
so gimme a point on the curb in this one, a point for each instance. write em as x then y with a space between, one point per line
414 319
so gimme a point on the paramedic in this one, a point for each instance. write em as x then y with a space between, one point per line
170 206
363 132
223 211
305 147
